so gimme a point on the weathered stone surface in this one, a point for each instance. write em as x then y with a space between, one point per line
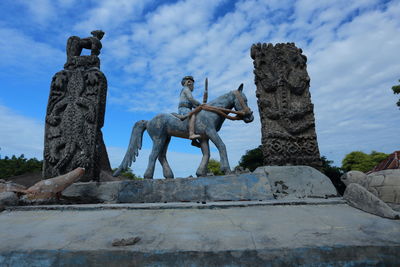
297 181
354 177
49 188
218 188
387 185
8 199
384 184
360 198
11 187
75 116
265 183
395 207
284 103
271 235
75 45
93 192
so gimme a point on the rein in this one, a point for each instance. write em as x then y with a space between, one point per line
224 111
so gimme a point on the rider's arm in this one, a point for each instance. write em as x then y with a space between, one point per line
189 97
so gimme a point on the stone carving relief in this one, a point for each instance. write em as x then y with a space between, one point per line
284 102
75 116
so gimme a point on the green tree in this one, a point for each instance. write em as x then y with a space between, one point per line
214 166
377 157
396 90
252 159
16 166
128 174
360 161
334 173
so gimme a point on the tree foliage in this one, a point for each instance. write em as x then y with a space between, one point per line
16 166
360 161
214 166
334 173
396 90
128 174
252 159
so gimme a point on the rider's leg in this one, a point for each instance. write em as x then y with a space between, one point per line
192 135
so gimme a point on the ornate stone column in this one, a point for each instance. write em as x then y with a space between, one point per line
75 113
284 103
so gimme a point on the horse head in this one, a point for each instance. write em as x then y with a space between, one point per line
241 105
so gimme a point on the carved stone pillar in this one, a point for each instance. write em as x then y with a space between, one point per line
284 103
74 118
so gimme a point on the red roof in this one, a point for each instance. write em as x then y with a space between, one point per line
391 162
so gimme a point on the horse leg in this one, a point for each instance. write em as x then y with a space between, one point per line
214 137
167 172
205 149
158 143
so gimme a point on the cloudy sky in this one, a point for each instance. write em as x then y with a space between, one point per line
352 49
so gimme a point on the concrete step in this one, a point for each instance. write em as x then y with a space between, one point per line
311 232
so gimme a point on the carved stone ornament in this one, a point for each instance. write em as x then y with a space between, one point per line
284 103
75 114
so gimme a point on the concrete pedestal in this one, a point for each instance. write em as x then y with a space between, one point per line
311 232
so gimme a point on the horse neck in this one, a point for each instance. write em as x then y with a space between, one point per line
225 101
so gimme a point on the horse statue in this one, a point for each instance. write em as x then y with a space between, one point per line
209 120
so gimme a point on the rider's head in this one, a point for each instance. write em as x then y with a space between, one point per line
188 81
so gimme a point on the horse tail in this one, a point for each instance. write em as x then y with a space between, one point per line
135 144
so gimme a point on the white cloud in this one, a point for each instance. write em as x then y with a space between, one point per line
347 71
110 14
22 54
20 135
351 46
41 10
66 3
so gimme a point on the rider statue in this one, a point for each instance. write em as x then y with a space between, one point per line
186 103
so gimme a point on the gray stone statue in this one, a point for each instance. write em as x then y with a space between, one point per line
75 44
284 102
208 122
75 113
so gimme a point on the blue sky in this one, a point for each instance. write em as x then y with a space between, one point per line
352 49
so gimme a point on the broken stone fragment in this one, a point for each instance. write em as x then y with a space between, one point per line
383 184
49 188
359 197
11 187
354 177
125 242
8 199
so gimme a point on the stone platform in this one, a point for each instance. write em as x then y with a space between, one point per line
265 183
276 216
303 232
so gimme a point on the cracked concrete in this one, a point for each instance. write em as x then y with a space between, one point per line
178 234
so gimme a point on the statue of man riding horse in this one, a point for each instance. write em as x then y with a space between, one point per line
202 124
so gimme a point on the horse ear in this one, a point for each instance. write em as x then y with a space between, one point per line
240 89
